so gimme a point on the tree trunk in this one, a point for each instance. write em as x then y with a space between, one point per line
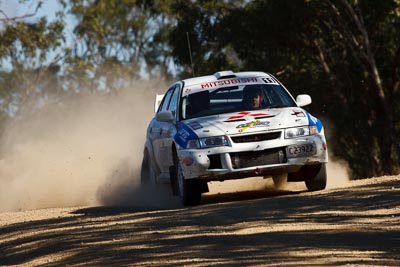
384 120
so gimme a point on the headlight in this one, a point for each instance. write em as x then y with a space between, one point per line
209 142
300 131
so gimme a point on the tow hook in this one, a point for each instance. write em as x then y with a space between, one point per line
257 171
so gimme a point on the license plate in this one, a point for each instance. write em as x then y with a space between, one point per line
300 150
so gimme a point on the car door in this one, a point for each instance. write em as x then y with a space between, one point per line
155 129
165 131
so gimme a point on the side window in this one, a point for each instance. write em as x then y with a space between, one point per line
165 101
174 100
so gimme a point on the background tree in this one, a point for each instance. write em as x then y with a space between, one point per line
119 40
343 53
201 21
360 63
29 65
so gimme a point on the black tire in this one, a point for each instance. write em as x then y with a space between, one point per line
189 191
315 177
147 176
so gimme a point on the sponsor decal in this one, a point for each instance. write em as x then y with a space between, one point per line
298 113
184 134
253 124
228 82
243 114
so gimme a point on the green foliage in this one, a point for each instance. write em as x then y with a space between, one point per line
22 42
118 38
201 21
27 67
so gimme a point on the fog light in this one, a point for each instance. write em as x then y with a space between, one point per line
187 161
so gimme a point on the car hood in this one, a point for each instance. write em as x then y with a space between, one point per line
245 122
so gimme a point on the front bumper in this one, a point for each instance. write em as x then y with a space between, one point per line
241 160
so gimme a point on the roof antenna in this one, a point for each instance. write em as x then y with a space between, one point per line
190 52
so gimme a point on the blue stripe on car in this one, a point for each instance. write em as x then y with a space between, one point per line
313 121
184 134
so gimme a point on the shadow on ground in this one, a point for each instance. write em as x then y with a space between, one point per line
356 226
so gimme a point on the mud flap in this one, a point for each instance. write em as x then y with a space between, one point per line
202 186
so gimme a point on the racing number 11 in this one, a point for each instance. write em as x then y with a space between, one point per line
269 80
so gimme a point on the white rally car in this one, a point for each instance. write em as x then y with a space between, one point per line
231 126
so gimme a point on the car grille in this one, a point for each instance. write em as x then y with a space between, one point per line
256 158
256 137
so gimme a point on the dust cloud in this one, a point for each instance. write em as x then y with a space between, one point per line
338 172
87 149
82 150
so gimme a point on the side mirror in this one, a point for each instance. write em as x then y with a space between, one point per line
303 100
165 116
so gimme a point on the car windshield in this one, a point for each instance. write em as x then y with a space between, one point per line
235 98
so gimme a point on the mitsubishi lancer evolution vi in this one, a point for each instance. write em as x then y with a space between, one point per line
230 126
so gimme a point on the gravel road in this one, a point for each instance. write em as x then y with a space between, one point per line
358 225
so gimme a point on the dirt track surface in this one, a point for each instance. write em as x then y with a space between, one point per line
357 225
